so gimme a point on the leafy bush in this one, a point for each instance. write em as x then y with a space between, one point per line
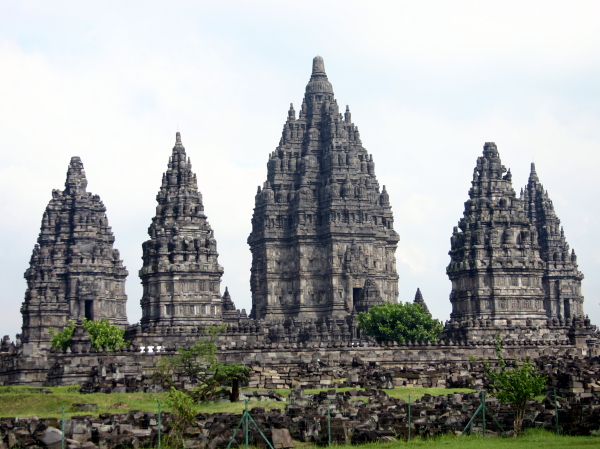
102 335
199 364
399 322
184 410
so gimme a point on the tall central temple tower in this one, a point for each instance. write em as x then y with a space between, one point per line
323 242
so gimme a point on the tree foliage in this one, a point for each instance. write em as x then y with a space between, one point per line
514 385
399 322
199 366
62 339
102 335
184 410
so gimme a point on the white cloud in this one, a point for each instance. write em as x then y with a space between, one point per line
428 83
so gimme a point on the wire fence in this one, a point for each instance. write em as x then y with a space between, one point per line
333 423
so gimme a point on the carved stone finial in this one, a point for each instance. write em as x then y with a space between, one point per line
318 67
76 182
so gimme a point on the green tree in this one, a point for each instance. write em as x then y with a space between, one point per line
102 335
184 410
399 322
199 365
514 385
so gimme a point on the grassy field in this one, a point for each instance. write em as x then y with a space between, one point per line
26 401
532 439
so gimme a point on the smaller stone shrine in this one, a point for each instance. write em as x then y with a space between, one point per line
419 300
74 271
181 275
510 267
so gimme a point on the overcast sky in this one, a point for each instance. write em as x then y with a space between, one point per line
427 83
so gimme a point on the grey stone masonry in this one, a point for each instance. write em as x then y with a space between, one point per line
562 279
495 268
74 271
322 227
510 267
419 300
181 275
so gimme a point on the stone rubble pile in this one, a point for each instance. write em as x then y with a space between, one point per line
354 416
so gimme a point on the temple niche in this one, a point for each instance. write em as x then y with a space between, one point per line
74 271
323 241
181 275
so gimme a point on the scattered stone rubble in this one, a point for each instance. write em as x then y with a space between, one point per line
354 416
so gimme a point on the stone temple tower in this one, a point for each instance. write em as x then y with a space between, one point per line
74 271
562 279
323 240
496 268
181 275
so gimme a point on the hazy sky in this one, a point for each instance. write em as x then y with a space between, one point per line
427 83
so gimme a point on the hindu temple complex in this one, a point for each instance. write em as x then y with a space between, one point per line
323 249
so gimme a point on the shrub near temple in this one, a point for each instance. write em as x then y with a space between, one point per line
399 322
102 335
201 367
514 385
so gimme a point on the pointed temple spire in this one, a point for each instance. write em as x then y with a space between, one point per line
566 301
76 182
181 274
321 193
74 271
419 300
228 305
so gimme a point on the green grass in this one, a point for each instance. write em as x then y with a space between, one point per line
532 439
26 401
418 392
